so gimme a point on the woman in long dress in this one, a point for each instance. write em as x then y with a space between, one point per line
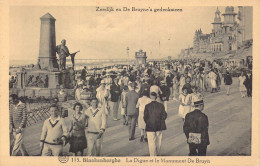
181 83
242 87
185 102
141 103
175 86
213 81
103 95
195 96
78 141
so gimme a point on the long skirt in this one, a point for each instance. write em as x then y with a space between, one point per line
141 123
213 83
242 88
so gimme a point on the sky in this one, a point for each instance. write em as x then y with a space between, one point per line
106 35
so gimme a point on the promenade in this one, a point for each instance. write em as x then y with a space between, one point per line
229 130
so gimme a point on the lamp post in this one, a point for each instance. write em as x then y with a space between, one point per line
127 52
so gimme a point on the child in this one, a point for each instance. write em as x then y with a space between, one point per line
184 99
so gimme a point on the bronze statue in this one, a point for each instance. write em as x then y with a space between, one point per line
63 52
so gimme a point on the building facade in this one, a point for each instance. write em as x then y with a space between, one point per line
227 35
140 57
200 42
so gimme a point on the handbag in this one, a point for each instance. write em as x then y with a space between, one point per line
194 138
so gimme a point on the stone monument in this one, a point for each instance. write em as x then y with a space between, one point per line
45 78
47 52
140 58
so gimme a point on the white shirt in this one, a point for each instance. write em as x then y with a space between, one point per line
142 102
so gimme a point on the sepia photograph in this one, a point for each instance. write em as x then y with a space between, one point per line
81 86
87 83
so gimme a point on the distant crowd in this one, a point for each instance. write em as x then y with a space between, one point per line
140 94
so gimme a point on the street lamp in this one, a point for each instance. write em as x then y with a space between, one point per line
127 52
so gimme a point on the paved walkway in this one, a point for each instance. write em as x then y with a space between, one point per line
229 130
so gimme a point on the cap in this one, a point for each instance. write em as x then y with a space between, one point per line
196 103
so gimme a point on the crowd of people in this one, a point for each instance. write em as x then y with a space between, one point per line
140 94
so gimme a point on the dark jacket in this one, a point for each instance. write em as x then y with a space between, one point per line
144 87
131 101
248 81
83 74
169 81
228 79
154 116
197 122
165 93
115 92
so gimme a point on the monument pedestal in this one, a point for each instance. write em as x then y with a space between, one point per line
54 79
36 83
67 78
